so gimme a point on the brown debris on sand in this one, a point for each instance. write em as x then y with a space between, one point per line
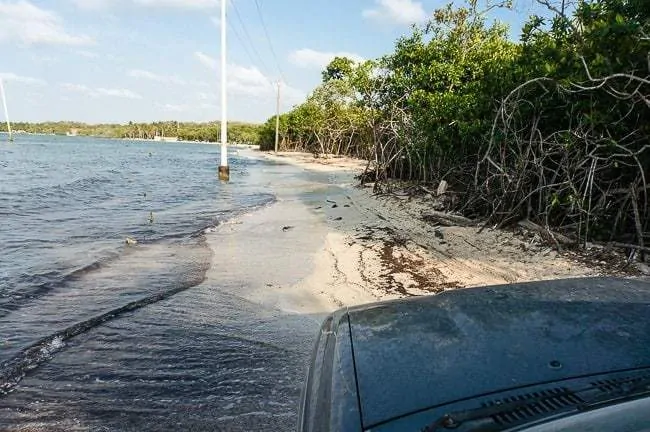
363 246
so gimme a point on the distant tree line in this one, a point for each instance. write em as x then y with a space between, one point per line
552 129
238 132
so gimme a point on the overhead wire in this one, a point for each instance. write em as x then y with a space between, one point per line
241 40
268 38
250 40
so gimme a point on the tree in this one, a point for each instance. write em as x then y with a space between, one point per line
338 69
555 128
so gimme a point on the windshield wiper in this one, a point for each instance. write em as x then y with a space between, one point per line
628 390
527 408
519 410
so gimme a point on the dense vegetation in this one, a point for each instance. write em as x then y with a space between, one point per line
237 132
553 128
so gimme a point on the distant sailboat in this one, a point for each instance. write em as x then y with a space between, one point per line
4 103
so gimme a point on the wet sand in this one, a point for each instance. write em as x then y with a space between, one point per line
327 243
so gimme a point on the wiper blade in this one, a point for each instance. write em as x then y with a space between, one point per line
483 418
525 409
630 390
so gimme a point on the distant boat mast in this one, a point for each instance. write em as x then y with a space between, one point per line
4 103
224 170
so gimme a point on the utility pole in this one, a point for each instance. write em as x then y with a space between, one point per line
4 103
224 170
277 119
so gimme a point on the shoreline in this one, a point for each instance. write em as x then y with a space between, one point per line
327 243
286 253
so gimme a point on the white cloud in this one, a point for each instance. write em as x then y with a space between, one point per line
24 22
397 11
178 4
43 58
175 108
79 88
311 59
250 76
87 54
216 21
93 4
241 79
151 76
250 82
12 77
291 95
181 4
119 93
208 61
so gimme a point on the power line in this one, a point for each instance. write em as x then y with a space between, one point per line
248 36
241 41
268 38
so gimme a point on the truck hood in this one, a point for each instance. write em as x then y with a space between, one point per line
412 355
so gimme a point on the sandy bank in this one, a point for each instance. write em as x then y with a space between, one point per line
310 162
326 243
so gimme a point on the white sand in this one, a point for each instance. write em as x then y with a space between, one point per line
326 244
320 163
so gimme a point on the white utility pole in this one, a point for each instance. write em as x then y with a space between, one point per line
4 103
277 119
224 170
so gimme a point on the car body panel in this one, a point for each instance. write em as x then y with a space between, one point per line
330 400
554 408
415 354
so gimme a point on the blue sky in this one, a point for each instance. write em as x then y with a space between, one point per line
144 60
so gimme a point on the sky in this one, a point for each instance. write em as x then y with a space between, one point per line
115 61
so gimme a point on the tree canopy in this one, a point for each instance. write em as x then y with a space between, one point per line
553 128
238 132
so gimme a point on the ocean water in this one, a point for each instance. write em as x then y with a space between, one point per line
96 334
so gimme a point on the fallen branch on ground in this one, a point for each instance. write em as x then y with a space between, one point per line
624 246
546 233
447 219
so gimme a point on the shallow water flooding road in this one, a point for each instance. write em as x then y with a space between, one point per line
202 360
97 335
